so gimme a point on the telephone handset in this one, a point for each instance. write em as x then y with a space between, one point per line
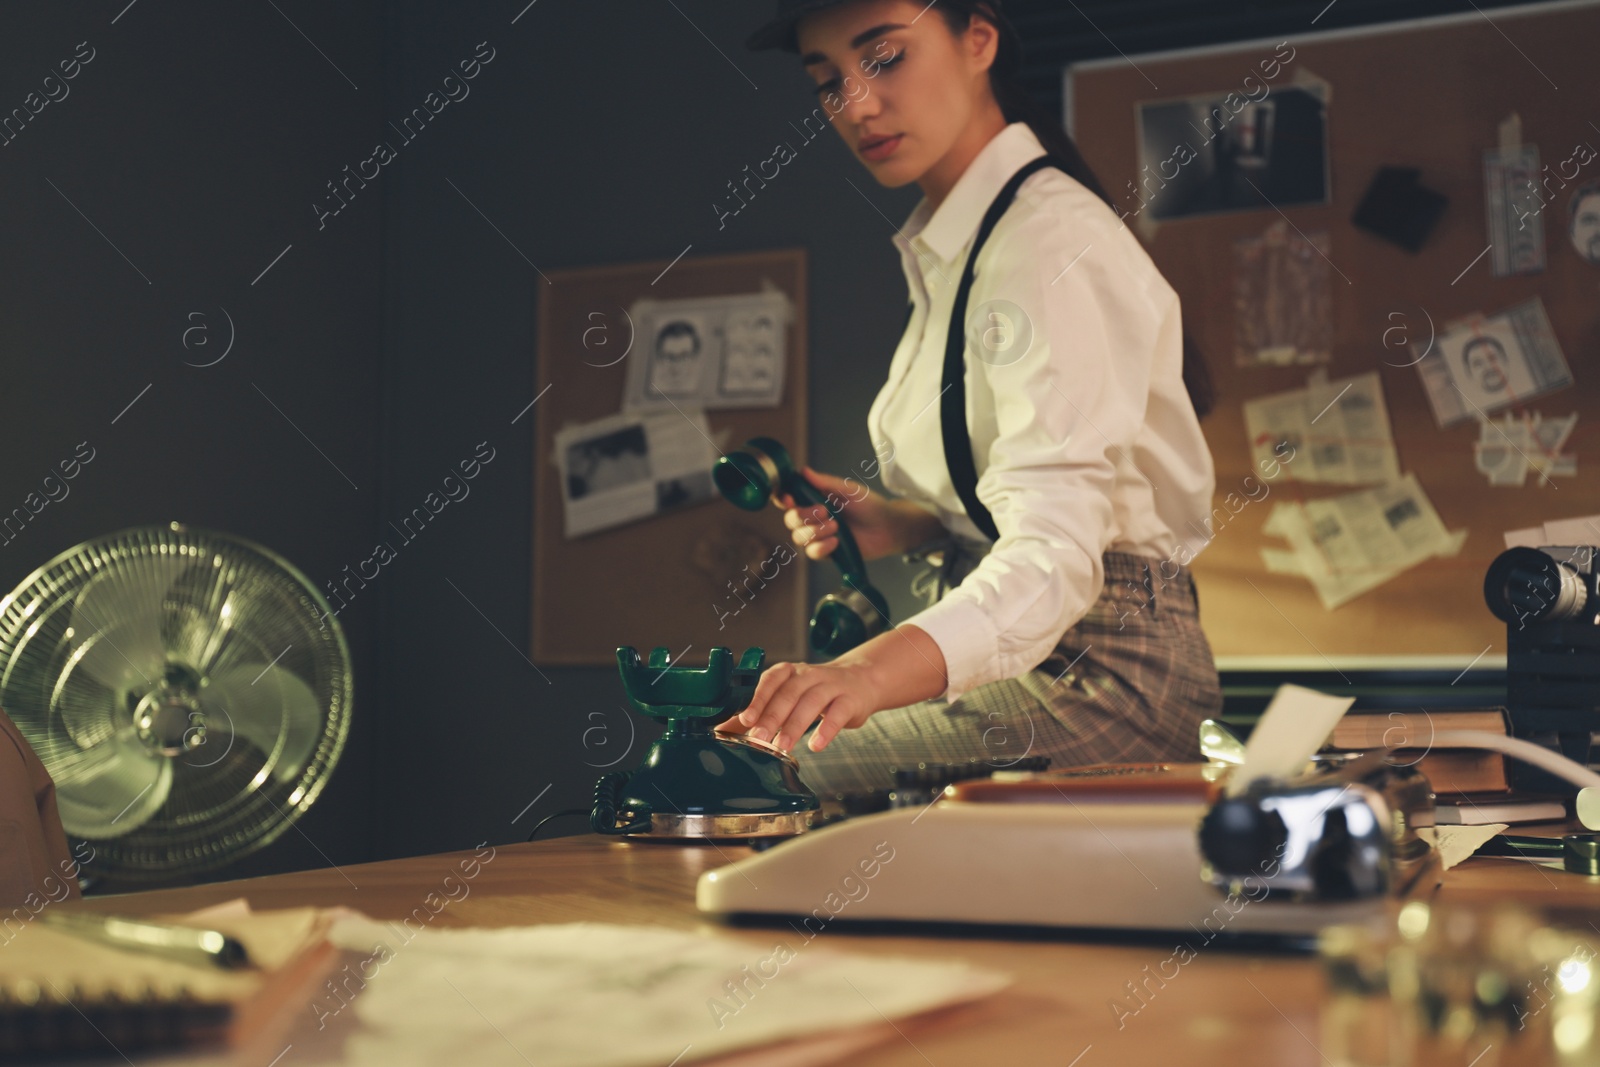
762 470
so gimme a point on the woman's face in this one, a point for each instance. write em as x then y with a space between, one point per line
900 87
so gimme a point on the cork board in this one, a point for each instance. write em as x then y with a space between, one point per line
687 579
1428 94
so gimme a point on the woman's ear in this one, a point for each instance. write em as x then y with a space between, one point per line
982 43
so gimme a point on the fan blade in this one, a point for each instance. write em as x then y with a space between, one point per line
118 617
112 788
261 705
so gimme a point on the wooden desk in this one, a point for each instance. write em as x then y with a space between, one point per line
1223 1007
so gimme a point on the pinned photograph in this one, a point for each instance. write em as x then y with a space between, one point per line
1203 155
623 468
1583 227
678 357
1480 365
709 353
610 461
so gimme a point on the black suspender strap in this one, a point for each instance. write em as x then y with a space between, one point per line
953 391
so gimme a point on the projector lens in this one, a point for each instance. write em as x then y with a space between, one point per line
1526 585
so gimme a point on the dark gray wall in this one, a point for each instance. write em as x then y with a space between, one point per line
194 142
593 137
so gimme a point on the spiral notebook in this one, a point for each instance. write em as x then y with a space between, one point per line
61 994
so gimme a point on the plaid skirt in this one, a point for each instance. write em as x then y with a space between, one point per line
1130 681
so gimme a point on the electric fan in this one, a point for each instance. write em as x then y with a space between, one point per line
188 691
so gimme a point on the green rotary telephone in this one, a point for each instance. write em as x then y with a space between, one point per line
695 782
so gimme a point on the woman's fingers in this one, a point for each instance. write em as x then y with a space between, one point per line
812 530
789 697
801 716
770 682
771 712
795 518
835 717
821 548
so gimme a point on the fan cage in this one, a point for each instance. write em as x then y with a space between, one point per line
215 812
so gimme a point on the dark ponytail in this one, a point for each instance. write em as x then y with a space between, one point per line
1018 105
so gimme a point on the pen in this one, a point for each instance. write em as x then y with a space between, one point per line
186 943
1514 845
1578 853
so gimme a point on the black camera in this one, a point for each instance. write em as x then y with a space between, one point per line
1549 599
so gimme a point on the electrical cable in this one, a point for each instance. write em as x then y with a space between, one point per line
556 815
1588 805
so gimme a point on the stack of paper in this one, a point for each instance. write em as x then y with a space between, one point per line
602 995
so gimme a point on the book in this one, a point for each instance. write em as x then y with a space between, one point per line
1461 770
1411 735
1411 729
1481 811
62 993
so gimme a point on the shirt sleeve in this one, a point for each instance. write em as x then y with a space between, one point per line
1066 416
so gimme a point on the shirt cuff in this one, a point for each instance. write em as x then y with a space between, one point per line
966 637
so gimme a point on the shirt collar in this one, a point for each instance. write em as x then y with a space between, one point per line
945 231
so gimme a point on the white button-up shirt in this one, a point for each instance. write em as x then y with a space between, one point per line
1085 441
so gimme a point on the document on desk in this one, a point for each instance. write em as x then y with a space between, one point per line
1456 843
1296 723
603 995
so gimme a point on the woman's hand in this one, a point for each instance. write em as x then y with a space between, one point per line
791 696
896 668
881 526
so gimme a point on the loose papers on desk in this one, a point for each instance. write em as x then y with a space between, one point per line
1349 544
1339 430
603 995
1456 843
1296 723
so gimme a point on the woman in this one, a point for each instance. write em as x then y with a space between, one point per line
34 861
1068 500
